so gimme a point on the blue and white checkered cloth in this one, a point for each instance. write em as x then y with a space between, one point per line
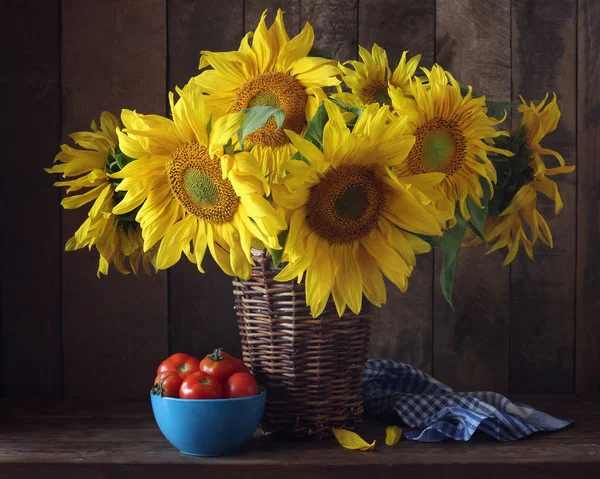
439 413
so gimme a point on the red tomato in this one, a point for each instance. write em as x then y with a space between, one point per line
200 385
239 366
167 384
240 385
218 366
183 363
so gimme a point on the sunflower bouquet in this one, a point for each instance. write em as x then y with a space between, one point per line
345 172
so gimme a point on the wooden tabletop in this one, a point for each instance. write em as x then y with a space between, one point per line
83 439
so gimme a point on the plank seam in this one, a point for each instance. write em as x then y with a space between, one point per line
433 249
167 106
357 27
575 309
510 270
61 372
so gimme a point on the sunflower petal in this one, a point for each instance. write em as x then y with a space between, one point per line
176 239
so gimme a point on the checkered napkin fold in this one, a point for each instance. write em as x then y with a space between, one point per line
439 413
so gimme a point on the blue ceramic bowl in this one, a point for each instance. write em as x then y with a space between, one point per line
208 427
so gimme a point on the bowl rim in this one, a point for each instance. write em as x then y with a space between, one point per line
246 398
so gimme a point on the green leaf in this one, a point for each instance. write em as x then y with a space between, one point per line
112 166
352 109
256 117
276 253
519 164
229 148
122 160
512 172
433 241
451 243
300 157
314 130
118 160
496 108
317 52
479 215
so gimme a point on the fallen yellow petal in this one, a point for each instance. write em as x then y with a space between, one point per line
351 440
393 434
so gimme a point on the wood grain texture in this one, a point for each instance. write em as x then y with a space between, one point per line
194 26
113 57
30 255
471 343
587 359
123 441
335 25
581 467
201 305
542 317
398 26
254 8
402 328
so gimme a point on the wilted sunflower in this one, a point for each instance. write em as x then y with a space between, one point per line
370 79
117 239
352 220
194 196
505 228
452 134
275 71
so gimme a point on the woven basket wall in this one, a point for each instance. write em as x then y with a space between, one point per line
312 368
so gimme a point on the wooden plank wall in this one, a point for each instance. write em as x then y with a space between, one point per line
118 322
200 306
531 327
543 292
407 316
470 344
31 240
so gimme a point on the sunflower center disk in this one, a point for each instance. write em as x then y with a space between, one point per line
377 92
346 205
352 203
197 182
278 90
438 149
200 187
440 146
264 98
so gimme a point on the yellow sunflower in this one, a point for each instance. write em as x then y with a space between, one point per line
117 239
452 137
370 79
275 71
193 195
506 229
352 220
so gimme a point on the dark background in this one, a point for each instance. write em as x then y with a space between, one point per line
530 327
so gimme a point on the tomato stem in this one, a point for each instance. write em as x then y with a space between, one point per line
158 389
216 355
182 368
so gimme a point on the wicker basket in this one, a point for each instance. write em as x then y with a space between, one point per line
311 367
